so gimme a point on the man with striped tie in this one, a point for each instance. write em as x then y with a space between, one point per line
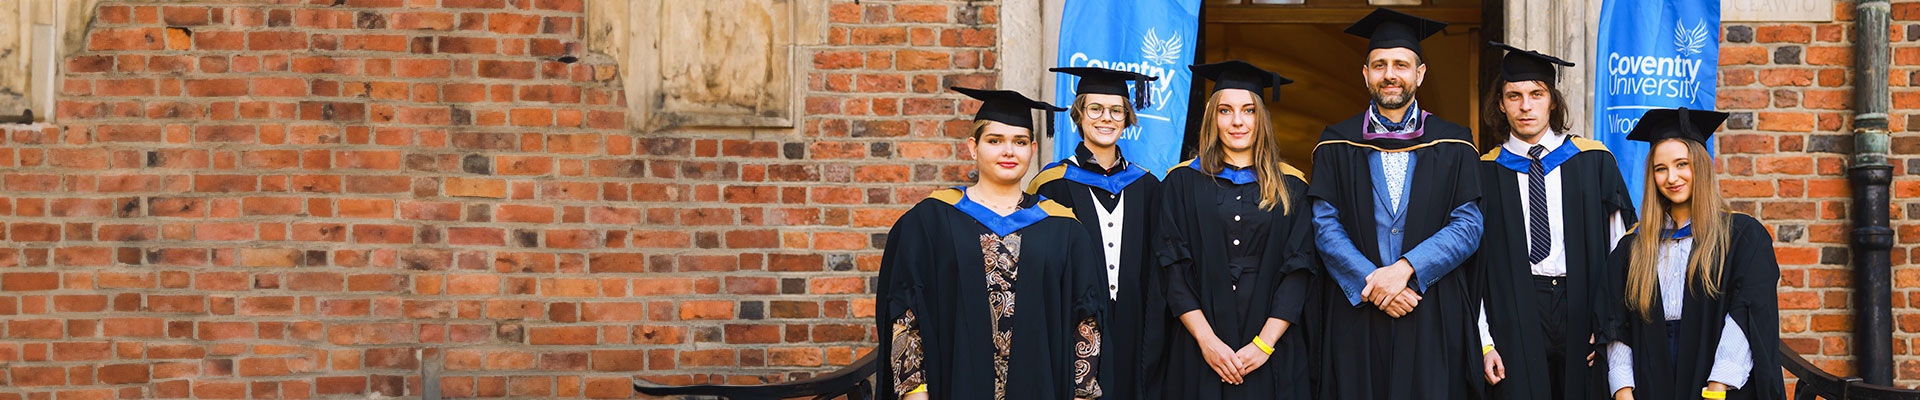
1554 205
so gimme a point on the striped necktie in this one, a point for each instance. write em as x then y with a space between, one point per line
1541 237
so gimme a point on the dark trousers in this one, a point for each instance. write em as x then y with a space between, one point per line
1550 294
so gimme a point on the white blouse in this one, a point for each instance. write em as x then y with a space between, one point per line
1732 359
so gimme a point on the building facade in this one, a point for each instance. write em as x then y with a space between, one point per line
550 198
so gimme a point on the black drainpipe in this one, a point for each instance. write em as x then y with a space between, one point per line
1871 175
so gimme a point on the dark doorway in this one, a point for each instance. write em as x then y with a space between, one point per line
1304 42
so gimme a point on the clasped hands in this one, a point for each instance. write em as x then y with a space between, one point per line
1387 289
1232 365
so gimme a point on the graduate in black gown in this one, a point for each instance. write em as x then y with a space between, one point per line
1396 212
1554 205
1113 199
1700 318
969 313
1236 244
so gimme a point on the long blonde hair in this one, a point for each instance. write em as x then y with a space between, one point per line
1710 233
1266 152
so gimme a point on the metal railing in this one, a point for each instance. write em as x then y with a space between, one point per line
1815 383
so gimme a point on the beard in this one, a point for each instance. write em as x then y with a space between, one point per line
1394 102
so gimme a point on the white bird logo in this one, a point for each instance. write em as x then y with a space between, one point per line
1689 41
1160 51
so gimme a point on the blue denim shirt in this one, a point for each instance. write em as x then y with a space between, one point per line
1431 259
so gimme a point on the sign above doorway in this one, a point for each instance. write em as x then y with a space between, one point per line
1777 11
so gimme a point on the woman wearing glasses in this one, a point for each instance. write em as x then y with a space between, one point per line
1113 199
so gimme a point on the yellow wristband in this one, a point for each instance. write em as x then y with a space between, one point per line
1264 348
1713 394
923 388
1486 349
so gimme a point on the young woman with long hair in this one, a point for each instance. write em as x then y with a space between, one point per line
1699 317
1236 241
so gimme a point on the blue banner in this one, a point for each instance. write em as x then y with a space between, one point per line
1651 54
1152 37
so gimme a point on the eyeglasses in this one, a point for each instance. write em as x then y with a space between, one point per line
1096 111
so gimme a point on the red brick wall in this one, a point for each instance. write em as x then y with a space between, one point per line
298 200
1785 153
779 233
301 198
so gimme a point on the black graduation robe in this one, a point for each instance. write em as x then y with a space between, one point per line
1749 283
933 266
1137 327
1191 238
1429 352
1591 192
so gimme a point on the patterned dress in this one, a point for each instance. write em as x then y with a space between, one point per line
1002 256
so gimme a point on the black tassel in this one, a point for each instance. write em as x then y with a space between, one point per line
1275 89
1143 92
1686 127
1049 122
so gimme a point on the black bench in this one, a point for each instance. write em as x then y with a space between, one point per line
853 381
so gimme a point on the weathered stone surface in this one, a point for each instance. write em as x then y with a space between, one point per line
66 20
723 63
1777 11
727 56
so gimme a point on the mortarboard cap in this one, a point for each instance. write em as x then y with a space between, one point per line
1527 65
1385 29
1107 81
1236 74
1668 123
1006 106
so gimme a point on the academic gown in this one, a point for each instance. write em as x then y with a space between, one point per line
1749 294
1592 192
932 267
1193 245
1428 353
1138 321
